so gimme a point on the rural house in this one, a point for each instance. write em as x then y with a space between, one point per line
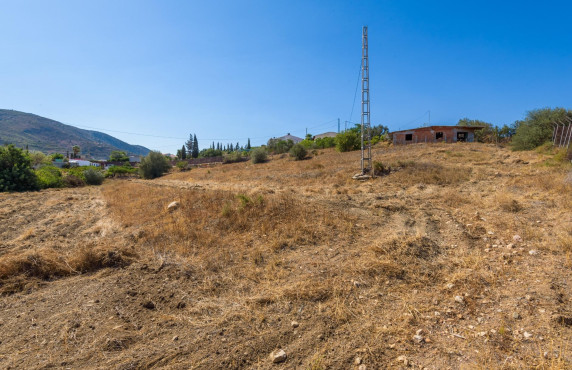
295 139
435 134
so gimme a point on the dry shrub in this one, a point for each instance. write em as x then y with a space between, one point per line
48 264
507 203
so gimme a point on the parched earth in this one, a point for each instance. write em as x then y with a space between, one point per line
459 259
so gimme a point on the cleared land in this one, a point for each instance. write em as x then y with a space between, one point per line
420 268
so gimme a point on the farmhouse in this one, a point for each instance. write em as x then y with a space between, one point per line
435 134
287 137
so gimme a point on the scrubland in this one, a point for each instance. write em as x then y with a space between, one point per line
461 257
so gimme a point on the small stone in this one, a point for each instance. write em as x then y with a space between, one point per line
516 239
510 245
173 206
533 252
362 367
482 333
459 299
278 356
516 315
490 232
449 286
403 359
294 324
357 361
175 338
527 335
528 297
417 338
419 332
149 305
321 337
435 301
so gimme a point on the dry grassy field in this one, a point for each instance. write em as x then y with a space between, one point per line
461 258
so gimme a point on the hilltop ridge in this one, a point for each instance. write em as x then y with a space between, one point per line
50 136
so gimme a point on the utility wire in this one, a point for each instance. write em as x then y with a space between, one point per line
355 93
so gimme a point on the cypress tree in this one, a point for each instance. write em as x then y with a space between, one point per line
248 144
189 144
183 153
195 153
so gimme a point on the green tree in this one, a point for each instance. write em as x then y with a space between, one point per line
154 165
195 152
76 150
248 144
348 141
183 153
189 144
15 170
118 156
57 156
537 127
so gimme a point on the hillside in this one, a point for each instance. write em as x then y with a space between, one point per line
458 259
50 136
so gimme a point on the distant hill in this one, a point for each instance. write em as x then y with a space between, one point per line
50 136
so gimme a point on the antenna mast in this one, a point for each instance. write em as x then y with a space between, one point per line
366 168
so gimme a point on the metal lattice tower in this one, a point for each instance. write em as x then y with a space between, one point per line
366 168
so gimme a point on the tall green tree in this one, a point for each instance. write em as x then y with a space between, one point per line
76 150
183 153
195 152
189 144
248 144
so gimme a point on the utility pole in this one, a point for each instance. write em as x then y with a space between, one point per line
338 125
366 168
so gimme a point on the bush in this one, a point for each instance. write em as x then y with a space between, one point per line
277 146
93 176
73 181
49 177
381 169
325 142
537 128
347 141
15 170
154 165
233 157
120 170
258 155
183 166
298 152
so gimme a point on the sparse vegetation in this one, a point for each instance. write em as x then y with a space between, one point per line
49 177
456 250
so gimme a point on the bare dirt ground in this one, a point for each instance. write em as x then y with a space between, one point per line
460 258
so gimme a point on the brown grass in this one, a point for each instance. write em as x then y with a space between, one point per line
361 266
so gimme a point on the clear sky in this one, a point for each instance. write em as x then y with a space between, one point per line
229 70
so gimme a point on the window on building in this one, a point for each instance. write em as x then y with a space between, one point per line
438 135
408 137
462 136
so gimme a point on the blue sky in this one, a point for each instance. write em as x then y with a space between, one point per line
229 70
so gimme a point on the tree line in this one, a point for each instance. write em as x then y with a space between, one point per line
190 149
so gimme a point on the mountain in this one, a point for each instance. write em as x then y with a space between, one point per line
50 136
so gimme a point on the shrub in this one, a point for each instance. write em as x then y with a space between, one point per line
73 181
325 142
120 170
183 166
154 165
258 155
347 141
93 176
380 169
15 170
49 177
233 157
298 152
